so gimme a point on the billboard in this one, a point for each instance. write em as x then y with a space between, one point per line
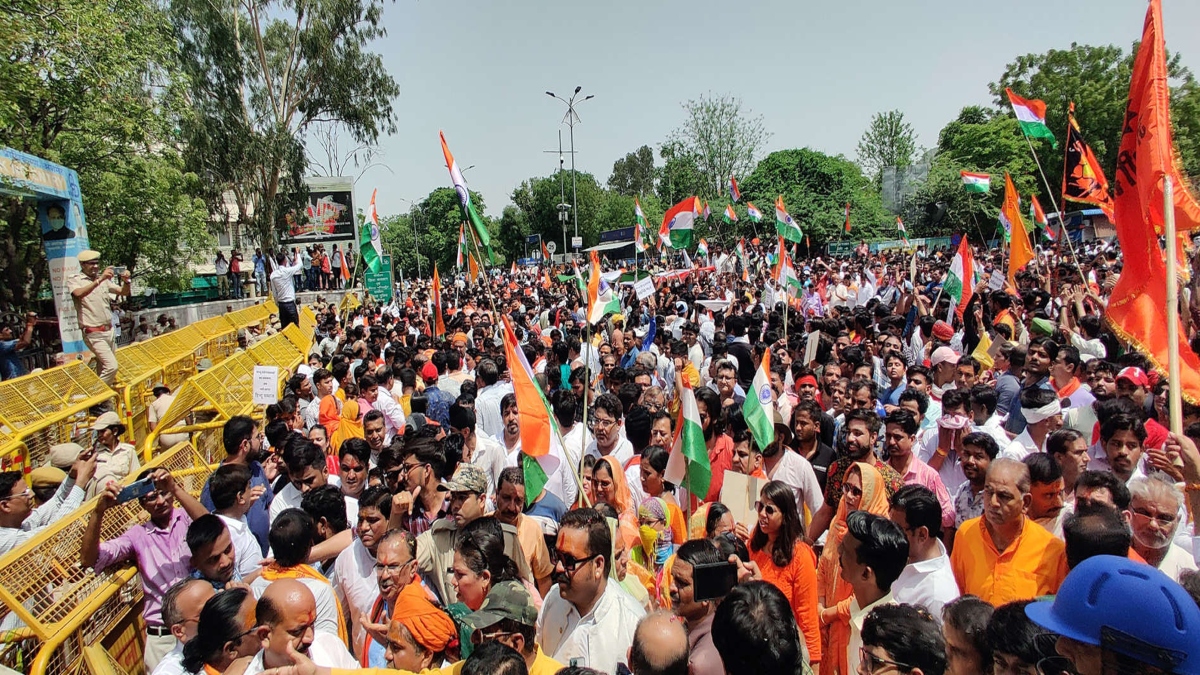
329 214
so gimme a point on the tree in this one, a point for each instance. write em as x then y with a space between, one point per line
1097 80
436 219
815 189
633 174
83 85
888 141
260 75
723 139
680 176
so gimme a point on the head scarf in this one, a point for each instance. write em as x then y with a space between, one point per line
874 500
698 523
429 626
349 426
622 502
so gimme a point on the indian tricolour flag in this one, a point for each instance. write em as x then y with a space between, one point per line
464 199
702 249
757 407
960 283
1031 114
688 464
642 232
784 225
976 182
1037 217
752 212
785 273
602 298
541 446
462 245
678 222
369 241
901 231
730 214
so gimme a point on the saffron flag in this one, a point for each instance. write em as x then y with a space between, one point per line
688 464
960 282
1083 178
541 446
757 406
753 213
847 217
1020 251
369 241
730 215
472 268
439 324
1137 308
976 182
784 225
464 199
1031 115
734 193
678 223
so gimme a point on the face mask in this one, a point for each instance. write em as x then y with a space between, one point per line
954 421
649 537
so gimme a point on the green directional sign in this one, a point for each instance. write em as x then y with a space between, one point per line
379 284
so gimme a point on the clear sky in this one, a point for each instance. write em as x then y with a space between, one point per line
815 71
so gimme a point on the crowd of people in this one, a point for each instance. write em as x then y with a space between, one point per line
991 491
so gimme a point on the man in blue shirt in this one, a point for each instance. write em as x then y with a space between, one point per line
260 271
10 363
244 444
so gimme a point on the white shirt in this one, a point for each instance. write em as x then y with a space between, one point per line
489 456
356 586
487 408
327 604
601 639
289 498
1021 447
798 473
623 450
951 471
246 550
857 616
929 583
393 414
172 663
327 651
1176 561
283 287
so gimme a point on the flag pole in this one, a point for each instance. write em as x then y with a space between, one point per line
1062 228
1174 392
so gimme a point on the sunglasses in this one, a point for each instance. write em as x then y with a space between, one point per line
852 490
570 563
769 509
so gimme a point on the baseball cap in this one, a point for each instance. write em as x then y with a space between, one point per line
466 478
108 419
88 256
1135 376
943 355
506 600
429 372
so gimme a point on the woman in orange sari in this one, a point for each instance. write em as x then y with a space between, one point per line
608 482
349 425
862 490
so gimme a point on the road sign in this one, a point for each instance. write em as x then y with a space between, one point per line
551 246
379 284
576 242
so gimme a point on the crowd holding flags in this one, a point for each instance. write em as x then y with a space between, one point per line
541 443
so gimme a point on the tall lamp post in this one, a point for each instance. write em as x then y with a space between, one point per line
416 208
571 118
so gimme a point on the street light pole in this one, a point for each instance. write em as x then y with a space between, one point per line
415 209
571 118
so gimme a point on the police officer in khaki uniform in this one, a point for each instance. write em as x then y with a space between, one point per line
91 290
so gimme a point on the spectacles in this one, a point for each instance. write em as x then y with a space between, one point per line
570 563
154 496
380 568
852 490
1163 519
874 663
768 508
605 422
26 493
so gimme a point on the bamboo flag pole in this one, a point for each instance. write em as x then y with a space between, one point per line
1175 395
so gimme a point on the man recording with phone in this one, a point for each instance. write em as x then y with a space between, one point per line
91 291
19 521
158 546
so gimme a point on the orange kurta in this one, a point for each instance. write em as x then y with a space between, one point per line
1032 566
798 581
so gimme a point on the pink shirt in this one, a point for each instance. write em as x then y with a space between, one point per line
920 473
162 555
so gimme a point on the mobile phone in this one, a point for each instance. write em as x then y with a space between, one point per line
135 490
118 270
712 581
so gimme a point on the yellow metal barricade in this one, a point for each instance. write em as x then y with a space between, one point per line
54 610
46 408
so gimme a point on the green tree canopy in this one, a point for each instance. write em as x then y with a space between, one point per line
633 175
888 141
722 138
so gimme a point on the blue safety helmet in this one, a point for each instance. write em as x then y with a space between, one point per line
1131 608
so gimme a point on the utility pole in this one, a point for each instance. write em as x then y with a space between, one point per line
563 207
571 119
